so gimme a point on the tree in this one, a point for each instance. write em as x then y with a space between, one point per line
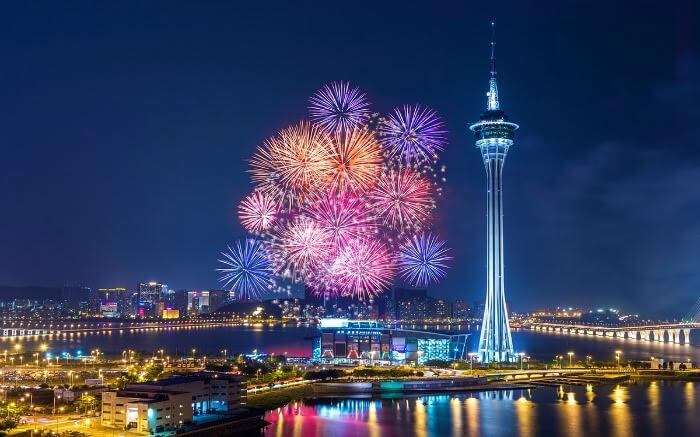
86 402
10 414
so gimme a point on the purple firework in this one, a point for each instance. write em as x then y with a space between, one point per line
338 107
423 259
413 134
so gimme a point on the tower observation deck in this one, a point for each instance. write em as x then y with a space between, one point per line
493 135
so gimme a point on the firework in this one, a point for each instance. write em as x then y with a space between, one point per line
404 199
343 201
355 160
292 163
363 269
338 107
423 259
413 134
343 215
247 269
301 246
258 212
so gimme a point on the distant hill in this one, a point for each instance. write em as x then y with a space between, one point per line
29 292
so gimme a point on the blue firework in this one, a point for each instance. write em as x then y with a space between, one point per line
423 259
247 269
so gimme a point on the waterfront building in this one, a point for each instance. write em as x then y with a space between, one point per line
345 341
493 135
171 313
210 392
146 409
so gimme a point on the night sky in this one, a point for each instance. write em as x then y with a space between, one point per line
126 130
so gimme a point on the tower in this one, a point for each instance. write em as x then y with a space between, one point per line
493 135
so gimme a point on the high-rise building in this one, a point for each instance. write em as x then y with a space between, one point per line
149 295
118 296
76 297
440 309
493 135
460 309
412 304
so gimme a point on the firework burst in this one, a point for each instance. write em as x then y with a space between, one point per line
338 107
423 260
342 203
413 134
292 163
355 160
404 199
258 212
344 216
363 269
247 269
301 247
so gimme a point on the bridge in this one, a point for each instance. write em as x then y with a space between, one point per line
677 333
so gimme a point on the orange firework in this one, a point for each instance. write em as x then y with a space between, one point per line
292 163
356 161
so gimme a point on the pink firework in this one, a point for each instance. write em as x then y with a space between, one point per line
258 212
291 164
337 106
344 215
413 134
355 161
301 246
404 199
363 269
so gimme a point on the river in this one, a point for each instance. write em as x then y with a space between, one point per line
296 341
633 409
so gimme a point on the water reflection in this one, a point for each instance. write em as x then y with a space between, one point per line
622 410
620 419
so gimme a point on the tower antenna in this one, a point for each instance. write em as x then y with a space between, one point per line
493 48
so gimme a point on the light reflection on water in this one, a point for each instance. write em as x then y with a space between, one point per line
635 409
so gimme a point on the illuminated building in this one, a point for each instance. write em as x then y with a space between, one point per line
440 309
146 410
344 341
148 296
460 309
493 135
116 295
170 313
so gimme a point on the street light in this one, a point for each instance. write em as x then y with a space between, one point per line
521 355
617 357
588 359
193 352
570 354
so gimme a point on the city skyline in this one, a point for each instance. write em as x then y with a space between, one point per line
126 163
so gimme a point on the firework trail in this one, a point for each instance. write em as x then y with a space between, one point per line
423 260
258 212
404 199
338 107
247 269
413 134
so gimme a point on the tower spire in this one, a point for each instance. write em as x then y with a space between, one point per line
492 95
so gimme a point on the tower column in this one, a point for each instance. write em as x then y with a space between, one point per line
493 135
